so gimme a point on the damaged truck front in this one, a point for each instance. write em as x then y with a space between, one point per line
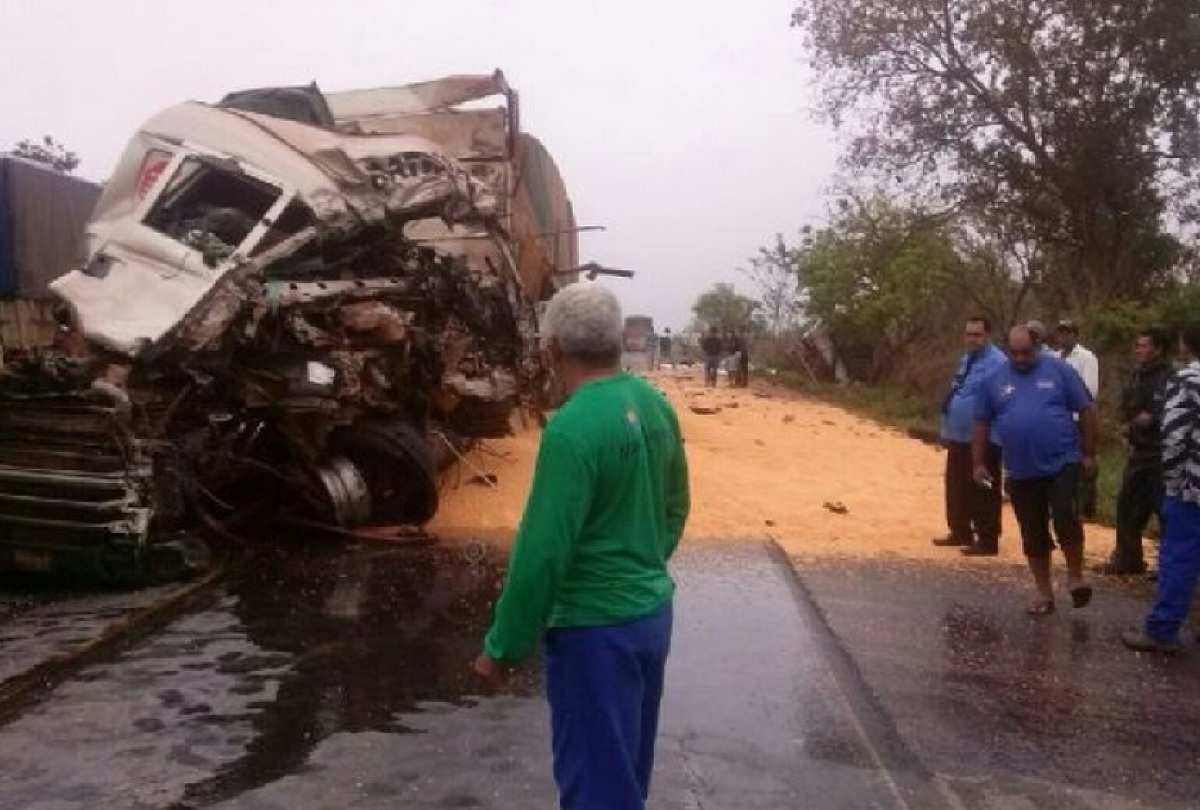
293 309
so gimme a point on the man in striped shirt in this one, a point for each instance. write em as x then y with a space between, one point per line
1179 550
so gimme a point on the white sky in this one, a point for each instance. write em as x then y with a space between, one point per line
682 126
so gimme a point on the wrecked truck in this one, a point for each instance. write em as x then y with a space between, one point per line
295 308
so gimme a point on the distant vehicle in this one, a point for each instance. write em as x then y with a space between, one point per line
640 344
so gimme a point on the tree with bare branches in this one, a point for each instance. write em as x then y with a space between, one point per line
1077 119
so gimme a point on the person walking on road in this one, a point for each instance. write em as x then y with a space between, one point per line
972 511
712 346
1141 484
735 345
606 510
1084 361
1037 330
1030 403
1179 548
744 362
664 347
1078 357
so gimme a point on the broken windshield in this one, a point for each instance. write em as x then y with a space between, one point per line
210 209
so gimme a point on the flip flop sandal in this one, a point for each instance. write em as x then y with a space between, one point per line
1081 595
1042 607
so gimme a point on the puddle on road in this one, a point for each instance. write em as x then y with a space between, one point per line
298 646
371 638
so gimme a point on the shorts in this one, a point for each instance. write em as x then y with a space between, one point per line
1040 502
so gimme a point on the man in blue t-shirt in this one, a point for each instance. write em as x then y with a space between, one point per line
1028 405
972 511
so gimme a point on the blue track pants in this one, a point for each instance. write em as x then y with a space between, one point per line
604 685
1178 569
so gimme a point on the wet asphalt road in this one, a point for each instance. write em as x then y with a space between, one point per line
1010 710
340 680
324 679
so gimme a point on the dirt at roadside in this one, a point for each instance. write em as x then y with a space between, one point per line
765 462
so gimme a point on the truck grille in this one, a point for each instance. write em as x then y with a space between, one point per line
69 477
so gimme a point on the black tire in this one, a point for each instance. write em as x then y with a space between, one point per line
395 459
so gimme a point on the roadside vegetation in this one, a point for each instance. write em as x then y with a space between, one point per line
1011 159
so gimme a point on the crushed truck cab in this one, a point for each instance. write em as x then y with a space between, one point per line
295 308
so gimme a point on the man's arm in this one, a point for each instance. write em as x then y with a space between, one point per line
678 494
981 429
1091 374
558 504
1180 415
1087 438
979 443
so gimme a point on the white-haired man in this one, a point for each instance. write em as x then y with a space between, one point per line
589 565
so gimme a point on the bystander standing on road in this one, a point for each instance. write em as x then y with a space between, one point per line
972 510
1030 403
711 346
1078 357
1084 361
664 347
744 361
606 510
1179 547
735 345
1037 330
1141 484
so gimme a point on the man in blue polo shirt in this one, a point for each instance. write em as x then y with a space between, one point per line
1028 404
972 511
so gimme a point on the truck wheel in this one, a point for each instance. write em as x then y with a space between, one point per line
395 460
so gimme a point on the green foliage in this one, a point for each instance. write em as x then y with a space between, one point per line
876 277
1114 327
722 306
1078 119
48 151
1177 307
773 271
1108 483
889 404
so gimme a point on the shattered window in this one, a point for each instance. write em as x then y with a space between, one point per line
210 209
295 218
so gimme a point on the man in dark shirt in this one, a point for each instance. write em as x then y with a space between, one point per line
972 511
1179 550
1029 405
712 346
1141 485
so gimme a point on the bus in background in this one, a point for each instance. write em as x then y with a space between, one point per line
640 344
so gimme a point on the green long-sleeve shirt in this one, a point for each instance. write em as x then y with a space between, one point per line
605 513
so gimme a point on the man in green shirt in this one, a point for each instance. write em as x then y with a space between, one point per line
589 564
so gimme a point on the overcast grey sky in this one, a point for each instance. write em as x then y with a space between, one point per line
684 127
